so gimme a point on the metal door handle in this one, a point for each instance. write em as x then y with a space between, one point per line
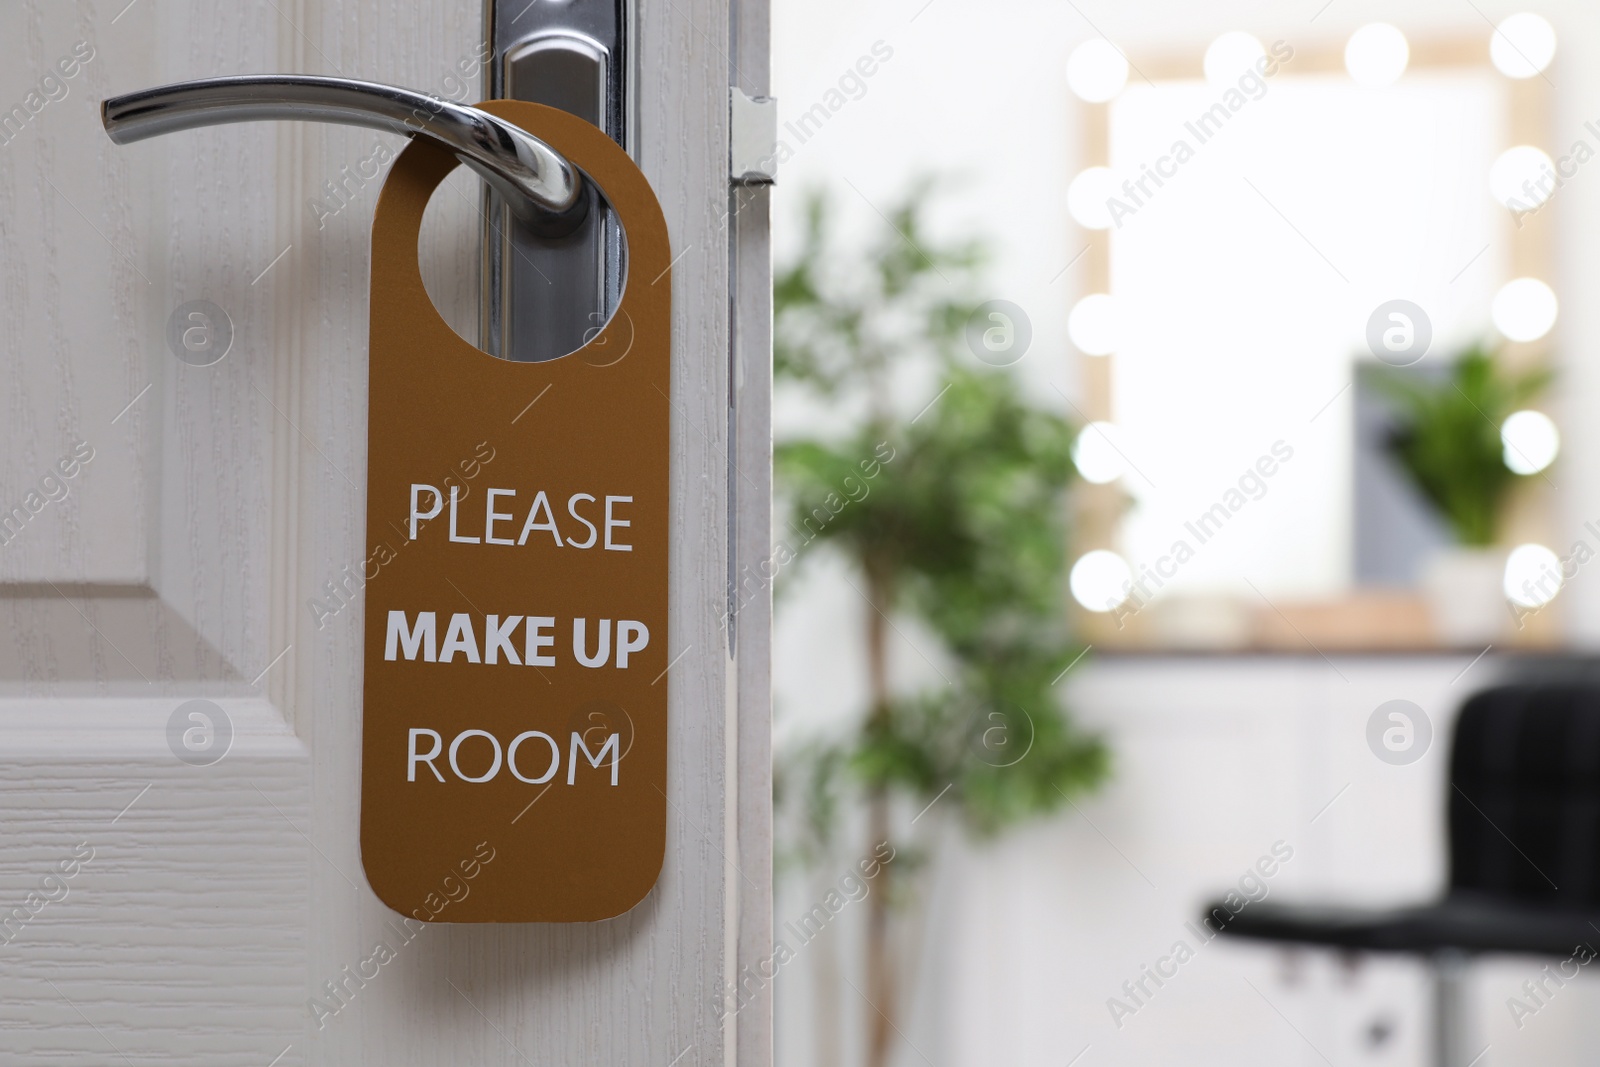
535 180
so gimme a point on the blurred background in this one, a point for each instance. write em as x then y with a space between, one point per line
1179 416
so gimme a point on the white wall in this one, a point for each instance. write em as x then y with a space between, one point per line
1214 760
981 94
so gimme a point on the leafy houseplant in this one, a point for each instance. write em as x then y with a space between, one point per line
962 530
1447 441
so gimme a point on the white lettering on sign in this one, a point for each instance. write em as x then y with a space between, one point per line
601 653
410 638
494 768
438 502
555 757
488 520
497 639
454 490
612 523
459 638
424 757
631 637
538 520
505 759
572 509
579 745
417 638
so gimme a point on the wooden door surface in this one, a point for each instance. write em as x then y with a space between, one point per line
183 552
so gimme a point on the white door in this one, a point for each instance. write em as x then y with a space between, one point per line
173 532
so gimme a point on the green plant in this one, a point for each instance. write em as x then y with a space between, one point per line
962 529
1448 438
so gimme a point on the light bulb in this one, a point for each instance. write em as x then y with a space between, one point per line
1533 576
1530 441
1522 45
1097 454
1092 325
1230 56
1096 71
1088 196
1522 178
1376 55
1101 580
1524 309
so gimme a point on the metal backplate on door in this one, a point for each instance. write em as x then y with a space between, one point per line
545 296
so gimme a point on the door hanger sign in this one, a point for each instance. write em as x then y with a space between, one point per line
514 739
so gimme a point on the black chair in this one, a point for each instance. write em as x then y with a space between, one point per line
1524 826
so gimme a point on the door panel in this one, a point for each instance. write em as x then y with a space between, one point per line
143 578
213 548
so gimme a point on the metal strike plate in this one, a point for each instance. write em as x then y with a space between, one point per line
545 296
752 138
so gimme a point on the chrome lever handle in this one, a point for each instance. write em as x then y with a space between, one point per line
535 180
